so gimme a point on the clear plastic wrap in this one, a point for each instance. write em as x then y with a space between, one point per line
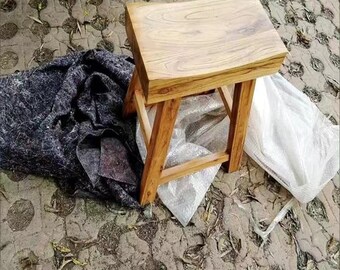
200 119
287 136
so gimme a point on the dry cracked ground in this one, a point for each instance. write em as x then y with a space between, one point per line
41 228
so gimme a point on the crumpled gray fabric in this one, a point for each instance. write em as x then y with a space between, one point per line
63 120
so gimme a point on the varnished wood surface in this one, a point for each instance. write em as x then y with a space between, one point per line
157 149
226 98
193 166
190 47
142 116
241 105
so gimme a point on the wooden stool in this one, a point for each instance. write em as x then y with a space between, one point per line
183 49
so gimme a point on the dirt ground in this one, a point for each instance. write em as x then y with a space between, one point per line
41 228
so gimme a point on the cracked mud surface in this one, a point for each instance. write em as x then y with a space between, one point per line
41 228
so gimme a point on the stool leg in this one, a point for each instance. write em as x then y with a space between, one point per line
129 106
158 148
242 100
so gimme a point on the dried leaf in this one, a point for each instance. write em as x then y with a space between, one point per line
317 210
133 227
311 265
3 192
303 39
108 35
60 248
333 83
35 19
225 253
79 27
221 244
77 262
64 264
333 252
50 209
232 243
208 210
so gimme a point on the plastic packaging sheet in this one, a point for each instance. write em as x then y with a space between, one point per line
287 136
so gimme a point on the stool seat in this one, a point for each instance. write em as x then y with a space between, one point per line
187 48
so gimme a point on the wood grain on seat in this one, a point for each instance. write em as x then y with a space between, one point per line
189 47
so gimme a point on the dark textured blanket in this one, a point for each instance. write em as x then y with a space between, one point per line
63 120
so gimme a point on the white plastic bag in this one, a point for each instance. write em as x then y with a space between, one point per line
291 139
287 136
